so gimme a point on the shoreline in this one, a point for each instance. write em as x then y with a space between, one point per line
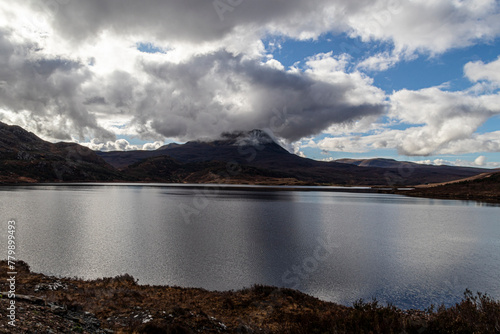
226 186
402 190
121 305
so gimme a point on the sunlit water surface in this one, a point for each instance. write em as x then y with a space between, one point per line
340 247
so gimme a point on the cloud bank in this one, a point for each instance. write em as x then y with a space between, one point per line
74 70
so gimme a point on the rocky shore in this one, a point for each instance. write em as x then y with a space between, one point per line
47 304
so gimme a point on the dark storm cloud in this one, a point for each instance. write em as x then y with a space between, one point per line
175 20
202 96
447 24
210 94
95 100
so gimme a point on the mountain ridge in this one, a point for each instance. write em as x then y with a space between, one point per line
259 150
24 157
246 157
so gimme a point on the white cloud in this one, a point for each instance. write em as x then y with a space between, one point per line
427 25
480 160
461 163
443 118
120 145
434 122
379 62
117 145
152 146
478 70
486 142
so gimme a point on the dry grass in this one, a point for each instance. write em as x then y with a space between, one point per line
127 307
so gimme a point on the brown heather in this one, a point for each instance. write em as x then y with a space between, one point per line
47 304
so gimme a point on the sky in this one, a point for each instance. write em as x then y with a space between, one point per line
415 80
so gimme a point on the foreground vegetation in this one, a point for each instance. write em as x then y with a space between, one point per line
120 305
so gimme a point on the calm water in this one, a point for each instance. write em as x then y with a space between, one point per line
336 246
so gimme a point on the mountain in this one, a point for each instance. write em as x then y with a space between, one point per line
259 150
24 157
391 163
165 169
251 157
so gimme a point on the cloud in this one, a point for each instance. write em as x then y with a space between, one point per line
188 92
379 62
486 142
478 71
434 122
428 26
210 94
431 26
72 69
45 90
200 97
445 117
479 162
120 145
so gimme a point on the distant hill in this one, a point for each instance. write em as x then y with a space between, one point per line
391 163
166 169
245 157
24 157
258 149
377 162
484 187
380 162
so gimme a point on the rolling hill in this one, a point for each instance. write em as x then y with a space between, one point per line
24 157
251 157
257 149
484 187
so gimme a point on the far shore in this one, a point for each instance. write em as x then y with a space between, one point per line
412 191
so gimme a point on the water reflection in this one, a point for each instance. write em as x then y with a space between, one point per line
336 246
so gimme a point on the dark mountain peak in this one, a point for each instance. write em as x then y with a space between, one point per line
171 145
254 137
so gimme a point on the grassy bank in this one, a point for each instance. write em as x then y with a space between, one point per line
120 305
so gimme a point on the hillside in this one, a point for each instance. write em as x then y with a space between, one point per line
485 187
257 149
24 157
166 169
251 157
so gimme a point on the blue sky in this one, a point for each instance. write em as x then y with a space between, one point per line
419 72
331 79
